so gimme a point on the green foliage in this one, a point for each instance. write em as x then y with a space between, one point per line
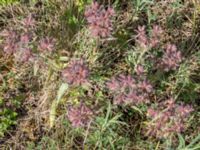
141 5
6 2
63 88
7 119
105 132
8 116
193 145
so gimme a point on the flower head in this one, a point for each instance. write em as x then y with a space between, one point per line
155 36
28 21
99 19
79 116
10 44
25 38
23 55
171 58
169 118
141 37
139 70
151 41
46 44
76 73
127 90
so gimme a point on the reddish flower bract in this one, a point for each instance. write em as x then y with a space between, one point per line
171 58
79 116
167 119
76 73
126 90
99 19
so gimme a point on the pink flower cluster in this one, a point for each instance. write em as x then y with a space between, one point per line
127 91
79 116
28 22
10 41
76 73
19 44
46 44
148 42
99 19
171 58
169 119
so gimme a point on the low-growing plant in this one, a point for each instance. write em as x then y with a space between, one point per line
99 75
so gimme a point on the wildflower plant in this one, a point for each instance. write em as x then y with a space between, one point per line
127 90
171 58
168 119
99 20
79 116
151 41
76 73
10 40
18 42
143 67
46 44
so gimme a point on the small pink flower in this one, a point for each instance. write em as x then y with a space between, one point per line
155 36
171 58
139 70
119 99
47 44
113 85
127 91
79 116
169 118
25 38
29 21
145 41
76 73
10 44
151 112
156 31
184 111
10 48
23 54
126 81
146 86
141 37
99 20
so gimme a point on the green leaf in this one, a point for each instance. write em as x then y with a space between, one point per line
63 88
197 139
35 68
181 142
52 115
